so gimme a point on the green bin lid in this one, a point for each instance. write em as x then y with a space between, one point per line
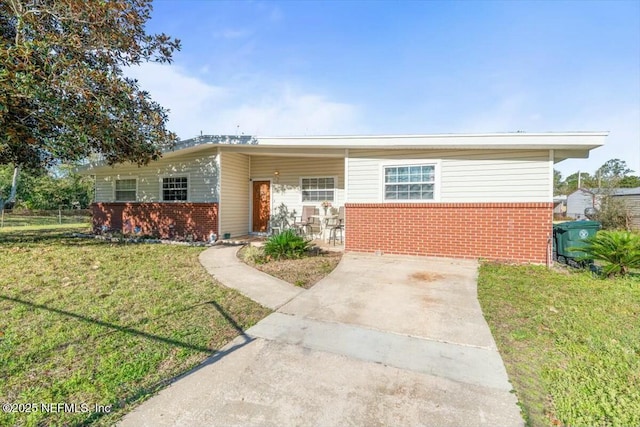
572 225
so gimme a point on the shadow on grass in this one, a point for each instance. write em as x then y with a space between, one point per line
146 391
53 235
114 327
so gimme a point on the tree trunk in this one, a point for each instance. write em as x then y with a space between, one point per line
14 184
14 189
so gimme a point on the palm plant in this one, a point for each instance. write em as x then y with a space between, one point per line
286 245
619 251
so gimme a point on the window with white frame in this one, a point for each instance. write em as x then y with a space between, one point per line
409 182
175 189
318 189
126 190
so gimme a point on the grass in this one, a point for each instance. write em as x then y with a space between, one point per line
90 322
29 229
11 220
304 272
570 343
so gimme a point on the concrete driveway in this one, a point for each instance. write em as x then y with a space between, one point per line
381 341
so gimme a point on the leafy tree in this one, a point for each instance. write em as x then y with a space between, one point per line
570 184
613 213
629 181
40 189
63 96
557 182
613 169
612 174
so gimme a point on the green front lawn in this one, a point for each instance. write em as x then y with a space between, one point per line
87 322
570 343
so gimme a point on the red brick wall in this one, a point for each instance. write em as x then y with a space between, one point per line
515 232
167 220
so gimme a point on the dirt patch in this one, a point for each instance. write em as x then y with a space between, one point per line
426 276
304 272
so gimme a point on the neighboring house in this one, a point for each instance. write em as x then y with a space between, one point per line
560 205
584 198
631 198
471 196
580 200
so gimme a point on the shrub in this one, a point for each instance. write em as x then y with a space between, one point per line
619 251
282 218
286 245
253 255
613 214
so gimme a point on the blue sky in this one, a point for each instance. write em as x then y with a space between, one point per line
339 67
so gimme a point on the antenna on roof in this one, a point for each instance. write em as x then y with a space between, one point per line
200 133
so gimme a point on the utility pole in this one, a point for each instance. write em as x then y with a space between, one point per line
579 179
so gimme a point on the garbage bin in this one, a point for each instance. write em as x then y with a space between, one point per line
572 234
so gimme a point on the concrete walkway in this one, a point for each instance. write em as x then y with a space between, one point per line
268 291
380 341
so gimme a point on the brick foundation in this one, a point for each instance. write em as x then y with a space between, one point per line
166 220
514 232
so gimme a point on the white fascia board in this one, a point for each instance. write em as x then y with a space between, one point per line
571 144
547 141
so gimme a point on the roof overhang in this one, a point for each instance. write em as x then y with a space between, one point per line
564 144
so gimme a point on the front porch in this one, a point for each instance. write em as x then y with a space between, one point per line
287 181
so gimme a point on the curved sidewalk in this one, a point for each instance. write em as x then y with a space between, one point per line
222 263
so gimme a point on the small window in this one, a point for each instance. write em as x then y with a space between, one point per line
175 189
126 190
411 182
318 189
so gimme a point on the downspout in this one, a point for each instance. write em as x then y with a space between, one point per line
550 233
346 195
250 202
346 175
219 191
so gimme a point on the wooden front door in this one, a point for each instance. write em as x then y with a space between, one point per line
261 206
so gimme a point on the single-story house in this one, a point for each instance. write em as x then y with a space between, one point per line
580 200
631 199
584 198
471 196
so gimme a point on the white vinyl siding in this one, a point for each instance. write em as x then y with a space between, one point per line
126 190
201 169
286 187
234 194
104 188
463 176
